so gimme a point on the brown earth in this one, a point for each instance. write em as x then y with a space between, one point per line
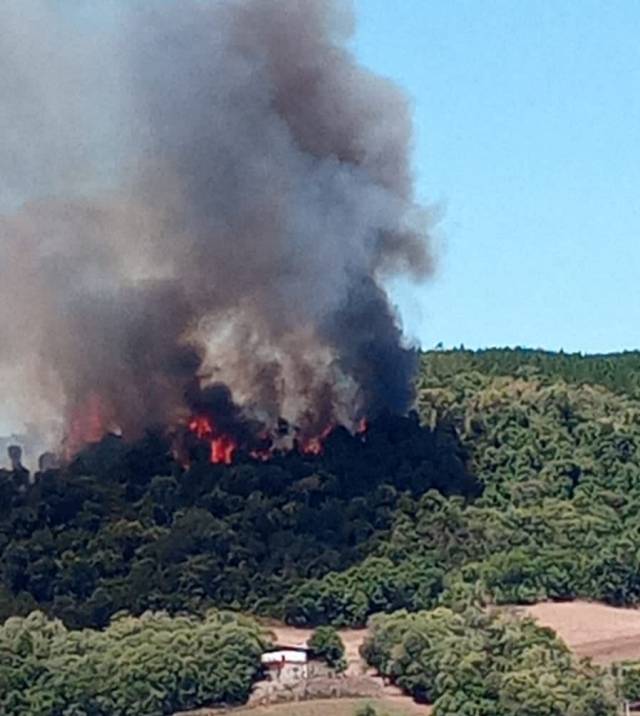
605 634
325 707
352 640
598 631
389 699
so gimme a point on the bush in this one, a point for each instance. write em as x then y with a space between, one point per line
366 710
630 680
325 643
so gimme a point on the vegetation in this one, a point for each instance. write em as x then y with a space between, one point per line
517 480
523 485
151 665
366 710
617 372
478 664
325 643
125 527
560 463
629 675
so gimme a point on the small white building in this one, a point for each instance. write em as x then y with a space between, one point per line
287 665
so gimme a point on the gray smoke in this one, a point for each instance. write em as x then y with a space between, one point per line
206 188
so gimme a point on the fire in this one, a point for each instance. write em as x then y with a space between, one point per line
315 444
92 419
89 423
223 447
222 450
266 447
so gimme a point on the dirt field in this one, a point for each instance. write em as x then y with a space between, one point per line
329 707
605 634
395 701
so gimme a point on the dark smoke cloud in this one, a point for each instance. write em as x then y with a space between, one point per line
209 188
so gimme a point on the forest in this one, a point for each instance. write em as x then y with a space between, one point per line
126 527
517 479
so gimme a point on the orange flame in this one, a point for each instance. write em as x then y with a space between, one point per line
89 422
315 444
223 447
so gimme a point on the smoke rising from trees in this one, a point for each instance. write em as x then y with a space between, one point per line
201 188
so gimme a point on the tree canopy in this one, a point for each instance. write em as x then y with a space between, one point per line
126 527
151 665
470 663
519 483
325 643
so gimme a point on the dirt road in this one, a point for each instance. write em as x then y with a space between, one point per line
322 707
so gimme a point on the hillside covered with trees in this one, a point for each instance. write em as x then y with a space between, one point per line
517 480
127 527
559 463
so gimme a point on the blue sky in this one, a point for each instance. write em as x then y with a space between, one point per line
527 117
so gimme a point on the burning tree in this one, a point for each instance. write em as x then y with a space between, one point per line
260 195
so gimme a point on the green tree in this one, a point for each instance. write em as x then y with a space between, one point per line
325 643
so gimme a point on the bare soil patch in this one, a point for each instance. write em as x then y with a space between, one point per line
603 633
328 707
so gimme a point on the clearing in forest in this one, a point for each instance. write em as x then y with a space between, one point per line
603 633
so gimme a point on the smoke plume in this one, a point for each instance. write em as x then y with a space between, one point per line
210 190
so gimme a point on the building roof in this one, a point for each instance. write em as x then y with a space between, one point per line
291 656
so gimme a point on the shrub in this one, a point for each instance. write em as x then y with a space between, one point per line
325 643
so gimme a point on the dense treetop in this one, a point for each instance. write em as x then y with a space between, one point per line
152 665
471 663
126 527
618 372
